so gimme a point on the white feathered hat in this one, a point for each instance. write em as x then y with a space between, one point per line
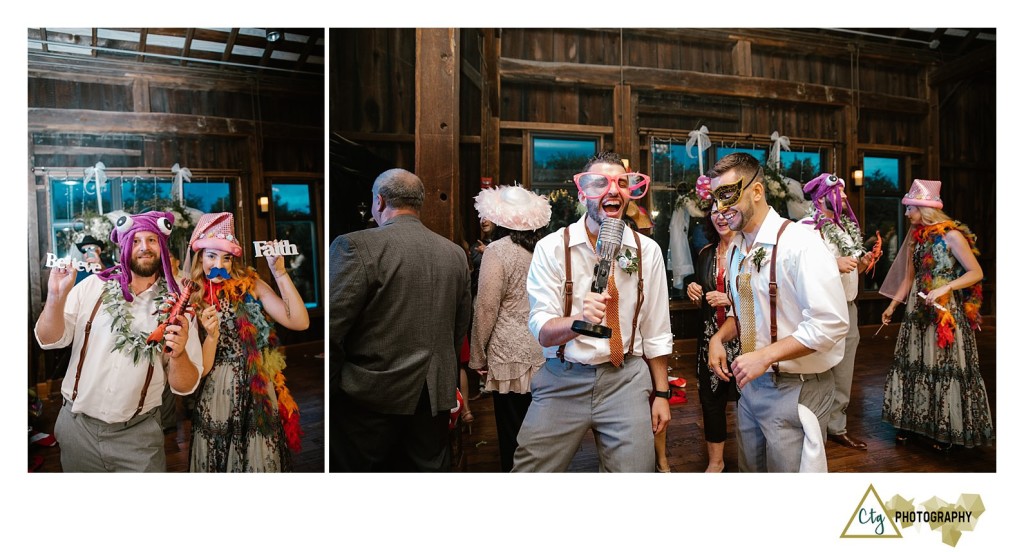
513 207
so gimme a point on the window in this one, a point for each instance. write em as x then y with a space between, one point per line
294 221
800 166
883 213
72 205
673 174
553 162
75 207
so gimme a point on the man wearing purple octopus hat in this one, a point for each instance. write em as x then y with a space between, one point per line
112 392
833 218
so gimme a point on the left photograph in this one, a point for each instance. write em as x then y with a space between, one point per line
175 239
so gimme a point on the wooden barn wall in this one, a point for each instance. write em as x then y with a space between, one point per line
968 166
742 84
137 115
879 103
372 103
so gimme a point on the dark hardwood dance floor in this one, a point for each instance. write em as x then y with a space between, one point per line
686 447
305 379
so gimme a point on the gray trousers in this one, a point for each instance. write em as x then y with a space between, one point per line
570 398
91 445
770 434
843 373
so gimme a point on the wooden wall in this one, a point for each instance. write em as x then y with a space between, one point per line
830 93
248 127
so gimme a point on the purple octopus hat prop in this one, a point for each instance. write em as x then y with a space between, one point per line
829 188
125 228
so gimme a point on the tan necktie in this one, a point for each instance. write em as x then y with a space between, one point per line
748 329
612 316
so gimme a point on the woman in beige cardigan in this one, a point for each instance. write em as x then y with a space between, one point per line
502 348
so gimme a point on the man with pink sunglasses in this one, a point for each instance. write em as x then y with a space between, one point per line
596 383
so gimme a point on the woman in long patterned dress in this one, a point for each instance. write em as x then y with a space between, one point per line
709 292
934 387
502 346
245 420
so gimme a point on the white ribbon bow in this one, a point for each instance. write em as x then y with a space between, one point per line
700 138
779 143
96 172
180 173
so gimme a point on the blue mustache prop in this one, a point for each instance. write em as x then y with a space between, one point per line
218 272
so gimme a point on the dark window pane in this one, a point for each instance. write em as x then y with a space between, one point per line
800 166
883 213
556 160
295 223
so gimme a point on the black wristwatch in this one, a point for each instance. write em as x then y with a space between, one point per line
663 394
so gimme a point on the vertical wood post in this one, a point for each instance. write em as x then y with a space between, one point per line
437 127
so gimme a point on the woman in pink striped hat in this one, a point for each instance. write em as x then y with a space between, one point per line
934 387
245 420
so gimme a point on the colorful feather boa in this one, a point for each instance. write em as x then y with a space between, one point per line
264 361
929 278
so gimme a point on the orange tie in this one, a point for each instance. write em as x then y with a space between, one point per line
612 316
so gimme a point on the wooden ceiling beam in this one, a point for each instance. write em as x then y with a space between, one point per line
141 48
966 42
310 43
230 45
691 82
88 121
186 50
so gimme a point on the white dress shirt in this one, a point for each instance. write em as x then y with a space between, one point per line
111 382
810 305
546 284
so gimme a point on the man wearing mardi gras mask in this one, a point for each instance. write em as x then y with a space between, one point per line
786 384
112 392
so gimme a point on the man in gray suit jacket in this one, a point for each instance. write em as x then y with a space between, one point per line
400 306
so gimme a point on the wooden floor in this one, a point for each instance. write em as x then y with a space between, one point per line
305 379
686 447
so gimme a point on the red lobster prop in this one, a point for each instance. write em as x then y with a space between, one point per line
180 307
876 253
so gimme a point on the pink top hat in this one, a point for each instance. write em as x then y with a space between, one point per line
924 193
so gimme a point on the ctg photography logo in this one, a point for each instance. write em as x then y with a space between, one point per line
873 519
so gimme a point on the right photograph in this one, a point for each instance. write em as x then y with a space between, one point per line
662 250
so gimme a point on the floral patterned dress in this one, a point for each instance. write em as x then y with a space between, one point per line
237 423
934 387
714 393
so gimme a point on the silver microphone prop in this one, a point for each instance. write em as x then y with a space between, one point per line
609 240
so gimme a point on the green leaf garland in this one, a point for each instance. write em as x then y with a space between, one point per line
127 341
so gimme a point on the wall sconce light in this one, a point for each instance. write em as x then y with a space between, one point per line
858 177
263 202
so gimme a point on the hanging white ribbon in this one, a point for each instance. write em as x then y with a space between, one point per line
700 138
96 172
779 143
177 185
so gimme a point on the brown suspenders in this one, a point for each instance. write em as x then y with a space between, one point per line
773 291
85 348
568 288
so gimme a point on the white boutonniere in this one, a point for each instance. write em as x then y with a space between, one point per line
758 258
628 262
